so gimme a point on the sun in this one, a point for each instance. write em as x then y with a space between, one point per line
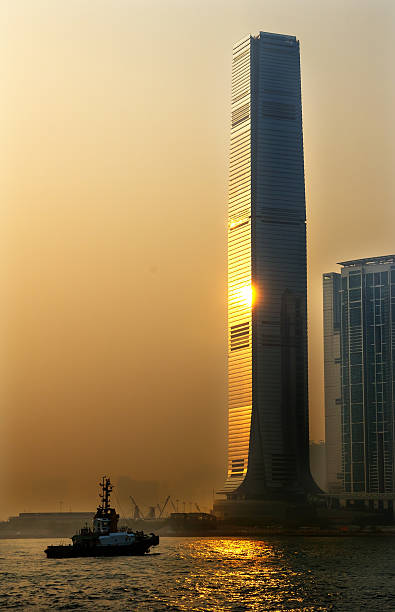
248 295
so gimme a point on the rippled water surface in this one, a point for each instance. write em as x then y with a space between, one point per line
300 574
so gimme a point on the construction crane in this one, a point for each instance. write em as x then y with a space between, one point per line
197 507
161 510
151 512
172 503
137 514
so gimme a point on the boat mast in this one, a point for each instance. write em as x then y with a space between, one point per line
106 489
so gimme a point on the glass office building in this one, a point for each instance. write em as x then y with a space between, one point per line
365 300
268 435
332 375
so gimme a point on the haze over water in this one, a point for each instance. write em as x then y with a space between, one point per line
115 128
200 574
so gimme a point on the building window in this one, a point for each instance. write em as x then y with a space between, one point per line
239 336
357 432
279 110
237 468
357 413
355 317
356 394
354 280
384 278
240 114
356 374
355 295
357 452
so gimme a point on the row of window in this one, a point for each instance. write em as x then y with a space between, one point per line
371 279
239 336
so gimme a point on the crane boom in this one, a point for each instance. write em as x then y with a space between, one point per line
164 506
137 512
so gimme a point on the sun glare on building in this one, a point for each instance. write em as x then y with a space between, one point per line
247 295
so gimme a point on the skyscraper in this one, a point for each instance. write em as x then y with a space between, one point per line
363 300
332 375
268 449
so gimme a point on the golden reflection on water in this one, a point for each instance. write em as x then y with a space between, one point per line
207 574
233 549
255 575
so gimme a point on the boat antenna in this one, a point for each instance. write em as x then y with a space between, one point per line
106 488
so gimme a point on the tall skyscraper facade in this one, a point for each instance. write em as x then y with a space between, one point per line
332 375
268 437
364 297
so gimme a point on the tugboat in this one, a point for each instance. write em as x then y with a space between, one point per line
104 540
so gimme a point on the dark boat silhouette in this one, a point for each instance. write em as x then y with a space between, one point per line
104 539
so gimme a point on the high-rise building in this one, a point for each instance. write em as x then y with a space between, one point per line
268 437
363 303
333 440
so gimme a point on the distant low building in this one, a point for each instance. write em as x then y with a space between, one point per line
45 524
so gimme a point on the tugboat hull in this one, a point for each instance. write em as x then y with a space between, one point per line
70 551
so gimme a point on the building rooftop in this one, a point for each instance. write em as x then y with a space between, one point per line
384 259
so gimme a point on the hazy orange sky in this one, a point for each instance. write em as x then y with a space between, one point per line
115 127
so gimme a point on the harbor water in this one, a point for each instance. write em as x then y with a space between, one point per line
199 574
